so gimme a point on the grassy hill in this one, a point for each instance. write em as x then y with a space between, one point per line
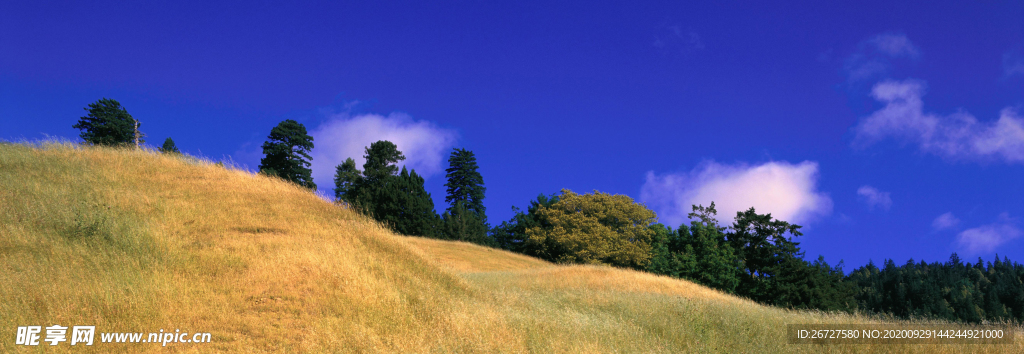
137 241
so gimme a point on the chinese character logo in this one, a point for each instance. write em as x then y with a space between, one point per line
28 335
82 334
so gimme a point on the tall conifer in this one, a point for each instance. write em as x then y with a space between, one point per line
346 177
465 219
465 184
286 153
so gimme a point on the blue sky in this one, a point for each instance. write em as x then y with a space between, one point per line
890 130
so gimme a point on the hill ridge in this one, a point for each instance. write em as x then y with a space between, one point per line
138 241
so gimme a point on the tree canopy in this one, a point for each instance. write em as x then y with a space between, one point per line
365 190
954 290
108 124
169 147
346 177
465 219
461 224
753 258
402 203
382 159
511 235
592 228
465 184
398 200
286 154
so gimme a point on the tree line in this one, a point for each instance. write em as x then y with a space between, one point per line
107 123
756 256
955 290
380 190
395 197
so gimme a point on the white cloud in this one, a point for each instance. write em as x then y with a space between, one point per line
787 191
895 45
874 56
860 67
958 135
985 239
945 221
424 144
874 197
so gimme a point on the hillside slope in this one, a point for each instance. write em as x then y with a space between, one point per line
136 241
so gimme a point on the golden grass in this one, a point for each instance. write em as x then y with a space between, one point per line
137 241
469 257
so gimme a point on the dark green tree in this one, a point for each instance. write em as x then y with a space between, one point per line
667 252
459 223
774 271
382 158
714 263
398 200
798 283
402 203
511 235
699 252
762 246
465 184
169 147
108 124
465 196
346 177
286 154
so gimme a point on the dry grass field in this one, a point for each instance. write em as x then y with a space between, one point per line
137 241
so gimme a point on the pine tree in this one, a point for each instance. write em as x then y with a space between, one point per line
465 185
402 203
109 124
465 218
381 161
286 154
398 200
346 177
169 147
699 252
714 263
761 244
461 224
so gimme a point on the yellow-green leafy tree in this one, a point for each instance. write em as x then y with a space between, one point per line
597 228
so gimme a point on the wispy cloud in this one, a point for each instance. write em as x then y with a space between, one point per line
787 191
958 135
874 57
945 221
424 144
874 198
895 45
1013 63
676 38
985 239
